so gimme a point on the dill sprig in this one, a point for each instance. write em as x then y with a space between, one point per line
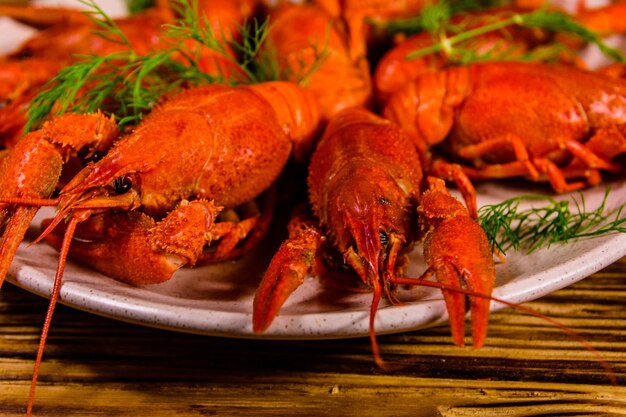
128 84
267 64
539 19
434 16
507 226
452 39
123 83
109 29
319 57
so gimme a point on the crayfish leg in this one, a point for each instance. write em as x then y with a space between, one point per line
239 231
454 172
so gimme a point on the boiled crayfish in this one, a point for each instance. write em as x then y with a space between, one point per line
371 204
542 121
396 68
221 144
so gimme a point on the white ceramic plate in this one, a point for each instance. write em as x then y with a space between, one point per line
217 300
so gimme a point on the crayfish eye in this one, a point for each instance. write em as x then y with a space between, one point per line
122 185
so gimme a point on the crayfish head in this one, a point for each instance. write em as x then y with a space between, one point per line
369 215
371 224
114 180
96 190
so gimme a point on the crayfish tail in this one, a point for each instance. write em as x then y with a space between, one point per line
297 112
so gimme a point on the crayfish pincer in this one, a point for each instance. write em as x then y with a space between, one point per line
371 204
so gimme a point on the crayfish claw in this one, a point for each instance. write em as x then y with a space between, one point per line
296 257
14 230
133 248
458 253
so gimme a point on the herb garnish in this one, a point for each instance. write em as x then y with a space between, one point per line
454 40
434 17
129 84
509 227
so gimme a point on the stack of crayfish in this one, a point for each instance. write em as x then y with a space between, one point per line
200 170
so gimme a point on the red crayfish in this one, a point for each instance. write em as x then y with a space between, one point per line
371 204
542 121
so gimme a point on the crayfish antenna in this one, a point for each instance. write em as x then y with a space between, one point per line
373 341
527 310
53 300
378 358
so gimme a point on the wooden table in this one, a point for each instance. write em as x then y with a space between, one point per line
95 366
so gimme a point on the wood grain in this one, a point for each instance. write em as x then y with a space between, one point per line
95 366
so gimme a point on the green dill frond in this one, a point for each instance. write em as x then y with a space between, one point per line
123 83
62 91
254 37
319 57
128 85
560 22
509 227
109 29
302 74
192 26
435 17
453 42
267 65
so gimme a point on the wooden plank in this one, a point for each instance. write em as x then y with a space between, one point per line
95 366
